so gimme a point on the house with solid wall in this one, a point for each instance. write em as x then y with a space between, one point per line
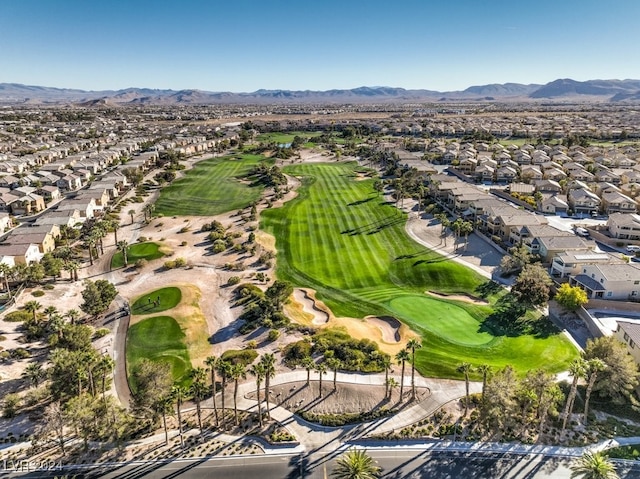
609 281
628 332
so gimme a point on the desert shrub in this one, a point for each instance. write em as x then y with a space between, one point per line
233 280
100 333
184 229
171 264
294 353
184 243
181 262
240 356
141 263
19 353
10 405
48 286
17 316
37 293
273 335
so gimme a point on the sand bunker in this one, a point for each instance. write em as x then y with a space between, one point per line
309 306
389 326
458 297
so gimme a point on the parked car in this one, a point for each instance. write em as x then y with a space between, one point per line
633 248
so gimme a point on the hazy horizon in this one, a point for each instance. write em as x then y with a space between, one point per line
245 46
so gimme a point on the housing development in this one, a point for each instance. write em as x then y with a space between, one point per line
304 286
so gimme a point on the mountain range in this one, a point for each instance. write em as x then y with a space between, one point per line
559 90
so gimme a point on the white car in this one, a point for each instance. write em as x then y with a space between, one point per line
633 248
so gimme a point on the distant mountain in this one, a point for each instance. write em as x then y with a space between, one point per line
570 88
558 90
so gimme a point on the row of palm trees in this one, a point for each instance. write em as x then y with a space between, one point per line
406 354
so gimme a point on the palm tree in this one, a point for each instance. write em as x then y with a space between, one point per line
50 311
356 464
593 465
90 243
321 369
224 368
113 225
465 368
268 361
413 344
123 245
34 373
72 267
577 371
386 364
106 366
164 405
131 213
73 315
593 367
391 384
5 271
33 307
308 364
212 363
238 371
258 371
485 370
56 325
178 392
466 227
402 357
334 364
198 390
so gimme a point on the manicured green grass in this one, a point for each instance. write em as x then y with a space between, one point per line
158 339
341 239
148 251
212 187
148 303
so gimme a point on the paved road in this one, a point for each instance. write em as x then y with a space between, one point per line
396 463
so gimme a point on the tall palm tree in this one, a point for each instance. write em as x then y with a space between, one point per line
164 405
466 228
465 368
356 464
106 366
321 369
90 243
73 315
391 385
577 371
485 370
413 344
178 393
33 307
238 371
402 357
593 465
386 364
224 368
334 364
57 325
131 213
258 371
5 271
72 267
212 364
198 390
50 311
268 361
308 364
122 246
593 367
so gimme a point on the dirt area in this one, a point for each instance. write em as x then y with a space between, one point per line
457 297
346 398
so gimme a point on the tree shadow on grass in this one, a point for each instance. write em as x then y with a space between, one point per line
509 319
488 288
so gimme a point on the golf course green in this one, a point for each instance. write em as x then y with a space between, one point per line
148 251
157 301
158 339
213 187
342 239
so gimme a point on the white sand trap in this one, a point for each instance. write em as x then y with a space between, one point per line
309 306
389 326
458 297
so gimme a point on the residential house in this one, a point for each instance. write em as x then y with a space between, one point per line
50 193
86 206
44 240
609 281
553 204
70 218
628 332
19 253
624 226
547 186
583 201
28 204
616 202
570 263
549 246
5 221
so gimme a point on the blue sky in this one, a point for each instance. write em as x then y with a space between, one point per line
243 45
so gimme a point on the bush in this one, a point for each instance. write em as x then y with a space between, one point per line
10 405
141 263
184 243
273 335
240 356
18 316
181 262
37 293
100 333
48 286
184 229
19 353
233 280
3 337
171 264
